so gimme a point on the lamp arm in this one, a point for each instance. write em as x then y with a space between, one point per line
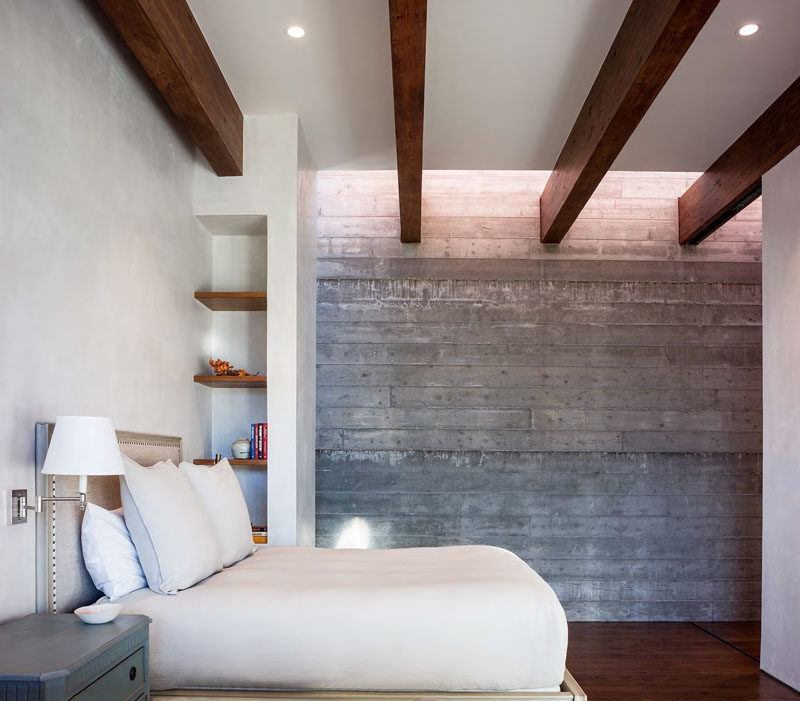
23 506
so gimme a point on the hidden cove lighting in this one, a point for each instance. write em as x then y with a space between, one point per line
296 31
748 29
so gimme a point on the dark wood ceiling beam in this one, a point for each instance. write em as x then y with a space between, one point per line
407 22
650 43
734 179
165 38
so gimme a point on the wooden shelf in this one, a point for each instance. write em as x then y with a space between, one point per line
233 381
233 301
234 463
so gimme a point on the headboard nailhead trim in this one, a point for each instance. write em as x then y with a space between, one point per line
53 543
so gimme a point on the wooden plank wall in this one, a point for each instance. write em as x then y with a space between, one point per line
595 406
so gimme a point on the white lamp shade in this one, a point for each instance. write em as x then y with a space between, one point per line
83 445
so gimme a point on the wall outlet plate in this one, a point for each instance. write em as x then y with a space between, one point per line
11 499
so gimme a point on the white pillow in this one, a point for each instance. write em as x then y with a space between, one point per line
224 504
172 534
108 552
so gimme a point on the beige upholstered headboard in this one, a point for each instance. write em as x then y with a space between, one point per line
62 583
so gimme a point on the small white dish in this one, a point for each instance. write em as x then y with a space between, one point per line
98 613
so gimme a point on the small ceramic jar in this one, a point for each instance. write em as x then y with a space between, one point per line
240 449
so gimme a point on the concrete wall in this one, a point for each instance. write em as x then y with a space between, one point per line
100 251
594 406
780 636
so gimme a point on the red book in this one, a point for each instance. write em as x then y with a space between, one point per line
259 438
264 442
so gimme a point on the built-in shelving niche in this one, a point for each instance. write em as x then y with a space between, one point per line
238 284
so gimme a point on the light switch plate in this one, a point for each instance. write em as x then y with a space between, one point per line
11 501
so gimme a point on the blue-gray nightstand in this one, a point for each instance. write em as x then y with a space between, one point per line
58 657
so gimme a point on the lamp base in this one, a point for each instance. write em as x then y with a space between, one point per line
11 499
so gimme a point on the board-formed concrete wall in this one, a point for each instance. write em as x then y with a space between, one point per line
594 407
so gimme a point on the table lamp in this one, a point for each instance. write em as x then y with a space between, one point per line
83 446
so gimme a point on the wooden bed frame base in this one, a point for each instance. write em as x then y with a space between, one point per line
570 691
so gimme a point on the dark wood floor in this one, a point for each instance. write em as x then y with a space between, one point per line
743 635
668 662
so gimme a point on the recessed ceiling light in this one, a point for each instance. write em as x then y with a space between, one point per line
747 30
296 31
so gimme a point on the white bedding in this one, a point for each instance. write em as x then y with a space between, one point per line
447 619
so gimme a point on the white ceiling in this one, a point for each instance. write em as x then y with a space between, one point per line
719 88
505 79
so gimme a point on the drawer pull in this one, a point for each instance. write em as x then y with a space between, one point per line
132 673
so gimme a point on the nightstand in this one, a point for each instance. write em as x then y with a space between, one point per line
59 657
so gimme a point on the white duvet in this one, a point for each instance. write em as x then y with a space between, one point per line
447 619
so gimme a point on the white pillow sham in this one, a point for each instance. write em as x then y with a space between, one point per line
223 502
109 554
172 534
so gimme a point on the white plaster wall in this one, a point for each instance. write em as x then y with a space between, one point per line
780 632
307 343
269 186
99 247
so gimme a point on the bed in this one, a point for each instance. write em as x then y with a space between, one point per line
302 623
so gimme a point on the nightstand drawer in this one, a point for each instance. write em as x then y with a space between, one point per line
119 683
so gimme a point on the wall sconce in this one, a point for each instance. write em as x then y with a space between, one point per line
80 445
